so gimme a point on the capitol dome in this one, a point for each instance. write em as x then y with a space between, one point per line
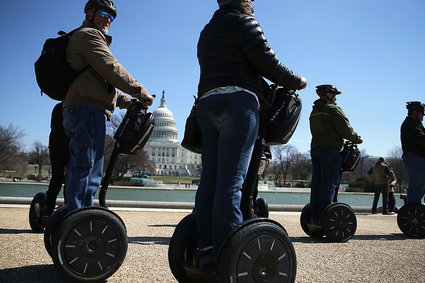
165 125
164 149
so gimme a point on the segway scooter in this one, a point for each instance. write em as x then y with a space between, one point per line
90 244
259 250
338 221
411 220
37 215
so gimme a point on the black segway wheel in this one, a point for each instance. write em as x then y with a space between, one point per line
37 218
411 220
339 222
52 225
89 245
261 208
305 221
258 251
182 247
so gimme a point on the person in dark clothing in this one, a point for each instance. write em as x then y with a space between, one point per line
413 144
59 156
329 127
233 55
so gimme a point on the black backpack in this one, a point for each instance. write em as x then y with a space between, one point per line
53 73
282 115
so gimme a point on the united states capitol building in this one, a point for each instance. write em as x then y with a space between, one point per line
164 149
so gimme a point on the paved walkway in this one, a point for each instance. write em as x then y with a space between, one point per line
377 253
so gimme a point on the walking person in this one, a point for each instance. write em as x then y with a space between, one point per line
413 144
329 127
233 53
381 173
92 98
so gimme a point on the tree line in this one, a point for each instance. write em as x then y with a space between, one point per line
289 167
13 158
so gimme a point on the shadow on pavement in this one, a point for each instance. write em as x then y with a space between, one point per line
389 237
30 274
149 240
15 231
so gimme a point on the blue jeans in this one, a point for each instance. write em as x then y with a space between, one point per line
326 173
416 170
85 126
229 125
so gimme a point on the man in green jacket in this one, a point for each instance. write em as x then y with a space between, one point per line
329 127
92 98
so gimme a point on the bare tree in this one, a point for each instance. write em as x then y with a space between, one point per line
38 156
10 147
302 168
114 123
124 162
284 156
365 163
395 160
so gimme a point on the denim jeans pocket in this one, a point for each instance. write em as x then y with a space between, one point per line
83 156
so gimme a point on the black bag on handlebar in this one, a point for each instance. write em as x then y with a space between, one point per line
282 115
350 157
134 130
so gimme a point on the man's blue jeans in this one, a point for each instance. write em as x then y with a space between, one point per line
85 126
229 125
416 170
326 173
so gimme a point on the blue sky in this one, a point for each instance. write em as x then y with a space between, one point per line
373 51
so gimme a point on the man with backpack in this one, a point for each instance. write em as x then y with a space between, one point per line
92 98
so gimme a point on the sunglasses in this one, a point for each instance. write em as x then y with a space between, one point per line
106 16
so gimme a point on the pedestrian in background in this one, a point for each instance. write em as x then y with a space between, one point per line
381 173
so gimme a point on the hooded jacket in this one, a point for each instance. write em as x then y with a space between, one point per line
329 126
381 173
233 51
96 86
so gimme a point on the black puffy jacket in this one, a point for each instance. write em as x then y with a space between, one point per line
233 51
413 137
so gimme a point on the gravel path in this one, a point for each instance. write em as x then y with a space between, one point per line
378 252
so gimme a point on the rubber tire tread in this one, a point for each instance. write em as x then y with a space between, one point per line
75 218
234 246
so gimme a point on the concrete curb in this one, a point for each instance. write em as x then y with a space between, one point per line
169 205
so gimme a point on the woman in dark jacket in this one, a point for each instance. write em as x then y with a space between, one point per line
233 54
